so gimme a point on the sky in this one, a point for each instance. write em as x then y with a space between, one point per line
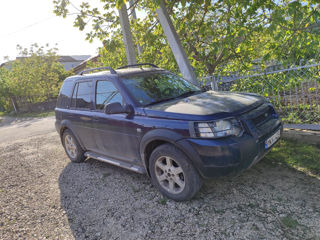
26 22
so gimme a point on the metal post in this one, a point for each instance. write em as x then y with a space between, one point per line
127 36
175 43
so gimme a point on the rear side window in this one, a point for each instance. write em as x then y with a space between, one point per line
81 97
65 95
106 93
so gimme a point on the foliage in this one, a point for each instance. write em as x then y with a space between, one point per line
300 156
113 54
34 77
218 35
294 28
301 114
289 222
4 88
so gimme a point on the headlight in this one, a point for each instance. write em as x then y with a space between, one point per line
219 128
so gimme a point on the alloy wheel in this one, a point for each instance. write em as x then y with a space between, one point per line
170 175
71 146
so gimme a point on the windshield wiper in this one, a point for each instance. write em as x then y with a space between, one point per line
186 94
160 101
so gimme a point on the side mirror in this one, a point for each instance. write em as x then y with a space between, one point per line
116 107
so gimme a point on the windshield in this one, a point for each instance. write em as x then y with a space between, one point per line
148 89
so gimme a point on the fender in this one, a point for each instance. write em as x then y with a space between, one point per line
170 137
67 124
157 134
175 139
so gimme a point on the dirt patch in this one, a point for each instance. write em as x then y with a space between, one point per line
43 195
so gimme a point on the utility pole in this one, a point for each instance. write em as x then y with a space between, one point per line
134 17
175 43
127 36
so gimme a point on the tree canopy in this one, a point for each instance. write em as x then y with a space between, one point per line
218 35
36 76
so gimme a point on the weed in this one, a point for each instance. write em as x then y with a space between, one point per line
163 201
252 205
255 227
289 222
280 199
219 211
134 189
106 174
29 114
34 114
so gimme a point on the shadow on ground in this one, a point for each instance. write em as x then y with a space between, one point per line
269 201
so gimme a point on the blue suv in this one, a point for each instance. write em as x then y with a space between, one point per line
151 121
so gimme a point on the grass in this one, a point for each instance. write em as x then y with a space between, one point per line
303 157
289 222
163 201
30 114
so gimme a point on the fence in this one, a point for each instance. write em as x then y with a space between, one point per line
27 103
295 92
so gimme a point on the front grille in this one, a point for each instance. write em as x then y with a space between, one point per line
263 116
260 120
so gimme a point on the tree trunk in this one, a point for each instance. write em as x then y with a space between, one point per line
14 104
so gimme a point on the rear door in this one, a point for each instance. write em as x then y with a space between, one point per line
80 114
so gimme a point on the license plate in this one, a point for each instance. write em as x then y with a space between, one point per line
271 140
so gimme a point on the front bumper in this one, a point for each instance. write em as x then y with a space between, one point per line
226 156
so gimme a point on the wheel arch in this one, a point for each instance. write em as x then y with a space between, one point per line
153 139
66 125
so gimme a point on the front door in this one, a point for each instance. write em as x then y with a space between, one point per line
112 136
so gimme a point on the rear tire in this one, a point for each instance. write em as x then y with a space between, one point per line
173 174
72 147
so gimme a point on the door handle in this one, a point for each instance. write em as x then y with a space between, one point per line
85 118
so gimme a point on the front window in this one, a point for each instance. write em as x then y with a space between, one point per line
148 89
106 93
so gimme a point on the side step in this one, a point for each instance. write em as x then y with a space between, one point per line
115 162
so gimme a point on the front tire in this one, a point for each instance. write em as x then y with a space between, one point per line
72 147
173 174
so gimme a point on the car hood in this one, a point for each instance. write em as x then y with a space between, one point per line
208 103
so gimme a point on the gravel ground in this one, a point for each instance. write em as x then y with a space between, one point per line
16 128
44 196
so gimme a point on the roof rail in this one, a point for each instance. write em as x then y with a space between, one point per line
99 68
138 64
